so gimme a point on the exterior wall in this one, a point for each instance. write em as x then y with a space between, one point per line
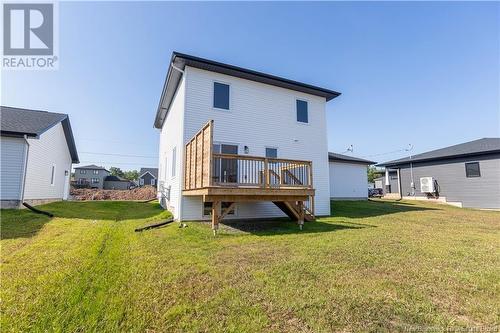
260 116
171 135
393 181
50 149
348 180
116 185
147 179
476 192
101 174
12 162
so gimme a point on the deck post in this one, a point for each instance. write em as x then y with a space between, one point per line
266 173
216 205
300 206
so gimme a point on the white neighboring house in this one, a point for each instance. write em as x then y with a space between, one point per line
37 150
253 116
348 177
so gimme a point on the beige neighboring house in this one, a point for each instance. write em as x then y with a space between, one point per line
37 151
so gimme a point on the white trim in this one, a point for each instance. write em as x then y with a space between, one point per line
149 173
213 96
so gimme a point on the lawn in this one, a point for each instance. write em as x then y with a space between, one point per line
371 266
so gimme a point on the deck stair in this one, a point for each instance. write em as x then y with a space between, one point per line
292 210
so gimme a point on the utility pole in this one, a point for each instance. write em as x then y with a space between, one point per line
412 185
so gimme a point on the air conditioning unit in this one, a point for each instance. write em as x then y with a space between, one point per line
427 185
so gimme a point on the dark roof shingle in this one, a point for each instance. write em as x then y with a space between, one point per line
33 123
344 158
153 171
471 148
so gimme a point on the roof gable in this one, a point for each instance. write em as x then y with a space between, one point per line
179 61
152 171
33 123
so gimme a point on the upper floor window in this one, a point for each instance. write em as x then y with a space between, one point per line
221 96
472 169
96 172
302 112
271 152
82 172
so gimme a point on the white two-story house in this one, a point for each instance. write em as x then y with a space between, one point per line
236 143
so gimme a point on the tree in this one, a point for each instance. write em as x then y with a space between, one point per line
131 174
372 173
114 171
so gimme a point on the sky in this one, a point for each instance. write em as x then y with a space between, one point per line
425 74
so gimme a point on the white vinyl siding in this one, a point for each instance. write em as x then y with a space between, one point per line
348 180
171 135
51 149
261 116
12 165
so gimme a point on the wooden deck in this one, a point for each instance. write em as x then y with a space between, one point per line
241 178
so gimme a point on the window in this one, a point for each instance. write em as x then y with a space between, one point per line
207 208
472 169
173 161
221 96
271 152
96 172
95 180
141 181
82 172
152 182
302 116
53 175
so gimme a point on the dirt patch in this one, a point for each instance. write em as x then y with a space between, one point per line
140 193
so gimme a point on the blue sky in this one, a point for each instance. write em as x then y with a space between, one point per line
421 73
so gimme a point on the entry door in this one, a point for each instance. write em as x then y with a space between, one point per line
226 170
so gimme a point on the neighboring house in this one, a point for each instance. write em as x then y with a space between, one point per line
37 150
148 176
241 144
348 177
91 176
117 183
466 175
379 182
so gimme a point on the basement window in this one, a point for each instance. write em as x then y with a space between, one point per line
221 96
472 170
207 208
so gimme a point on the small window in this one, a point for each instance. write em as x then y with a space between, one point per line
173 161
96 172
152 182
271 152
95 180
53 175
141 181
82 172
221 96
207 208
472 169
302 115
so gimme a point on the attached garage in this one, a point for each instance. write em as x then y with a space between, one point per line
348 177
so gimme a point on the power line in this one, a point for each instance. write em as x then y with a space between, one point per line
123 155
386 153
116 163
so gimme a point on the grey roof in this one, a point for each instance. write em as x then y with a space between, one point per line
153 171
33 123
180 60
115 179
472 148
92 167
350 159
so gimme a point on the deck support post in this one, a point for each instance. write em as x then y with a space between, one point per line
216 205
300 206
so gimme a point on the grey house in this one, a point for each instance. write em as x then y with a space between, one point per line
148 176
466 175
91 176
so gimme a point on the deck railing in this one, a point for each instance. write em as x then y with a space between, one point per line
204 168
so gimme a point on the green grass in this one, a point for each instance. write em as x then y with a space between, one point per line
372 266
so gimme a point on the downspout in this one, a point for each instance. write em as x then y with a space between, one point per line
25 167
